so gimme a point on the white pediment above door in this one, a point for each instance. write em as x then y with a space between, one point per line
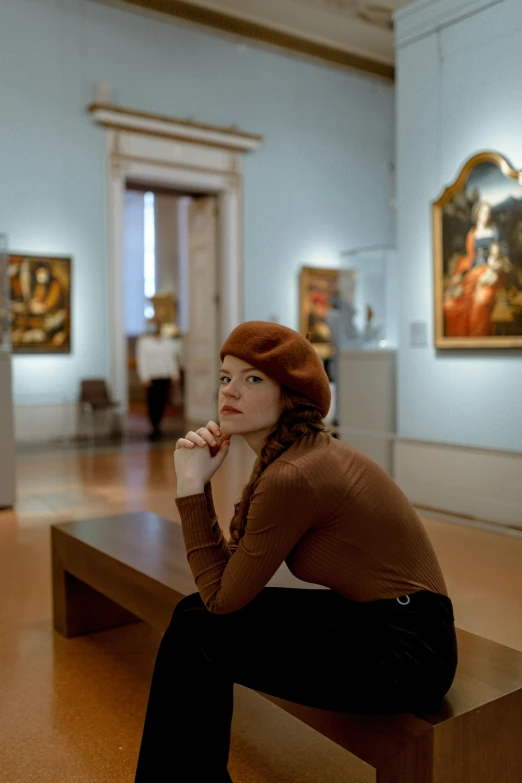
172 128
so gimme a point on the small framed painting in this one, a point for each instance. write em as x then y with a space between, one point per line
318 288
477 257
40 303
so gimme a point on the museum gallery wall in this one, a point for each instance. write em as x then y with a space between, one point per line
55 203
459 441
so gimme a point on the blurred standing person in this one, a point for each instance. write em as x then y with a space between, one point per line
178 342
157 366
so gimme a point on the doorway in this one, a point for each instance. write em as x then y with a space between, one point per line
189 158
171 274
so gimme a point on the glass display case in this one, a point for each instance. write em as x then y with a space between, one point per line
5 325
368 294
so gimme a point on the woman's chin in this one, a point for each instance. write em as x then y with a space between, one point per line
228 426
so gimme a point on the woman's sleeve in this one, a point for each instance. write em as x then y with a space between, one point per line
199 522
218 533
53 297
282 510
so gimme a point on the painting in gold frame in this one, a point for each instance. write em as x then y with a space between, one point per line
477 246
40 303
318 286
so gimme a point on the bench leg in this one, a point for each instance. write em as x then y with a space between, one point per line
79 609
479 746
413 765
403 774
482 745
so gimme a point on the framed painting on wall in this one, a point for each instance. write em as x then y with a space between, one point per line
477 249
40 303
317 289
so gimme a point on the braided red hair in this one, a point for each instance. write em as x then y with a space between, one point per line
299 417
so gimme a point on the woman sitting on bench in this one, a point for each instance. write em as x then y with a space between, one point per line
381 638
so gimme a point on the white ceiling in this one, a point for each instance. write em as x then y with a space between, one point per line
362 27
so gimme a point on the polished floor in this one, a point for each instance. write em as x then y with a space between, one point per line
72 710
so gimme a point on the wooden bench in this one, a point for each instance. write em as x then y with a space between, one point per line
112 571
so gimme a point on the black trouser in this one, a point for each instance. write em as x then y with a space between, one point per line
157 396
308 646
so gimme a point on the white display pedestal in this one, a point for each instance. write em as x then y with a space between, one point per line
367 403
7 452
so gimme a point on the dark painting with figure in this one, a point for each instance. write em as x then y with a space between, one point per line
40 303
318 287
478 257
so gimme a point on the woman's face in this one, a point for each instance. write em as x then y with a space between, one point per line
255 398
42 275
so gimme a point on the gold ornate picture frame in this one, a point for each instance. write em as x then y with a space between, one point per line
477 257
40 303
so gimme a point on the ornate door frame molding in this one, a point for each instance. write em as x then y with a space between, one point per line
185 156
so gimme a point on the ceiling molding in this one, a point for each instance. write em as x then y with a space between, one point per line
261 33
376 14
159 125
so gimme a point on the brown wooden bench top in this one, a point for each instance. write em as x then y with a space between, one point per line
138 561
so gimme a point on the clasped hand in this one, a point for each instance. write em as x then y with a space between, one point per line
198 456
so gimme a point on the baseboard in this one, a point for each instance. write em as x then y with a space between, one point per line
441 515
477 485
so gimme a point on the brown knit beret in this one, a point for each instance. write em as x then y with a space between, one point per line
284 355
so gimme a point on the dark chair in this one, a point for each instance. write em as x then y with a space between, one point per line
95 396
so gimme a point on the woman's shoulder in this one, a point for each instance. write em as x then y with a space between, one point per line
321 453
312 449
287 475
317 463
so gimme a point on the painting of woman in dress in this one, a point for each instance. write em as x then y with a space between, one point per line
478 257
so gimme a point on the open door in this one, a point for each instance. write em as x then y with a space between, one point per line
201 358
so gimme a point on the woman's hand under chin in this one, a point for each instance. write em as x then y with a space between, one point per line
198 456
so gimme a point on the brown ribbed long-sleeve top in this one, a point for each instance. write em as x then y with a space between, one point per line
333 515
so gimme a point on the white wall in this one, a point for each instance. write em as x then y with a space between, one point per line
319 185
459 92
